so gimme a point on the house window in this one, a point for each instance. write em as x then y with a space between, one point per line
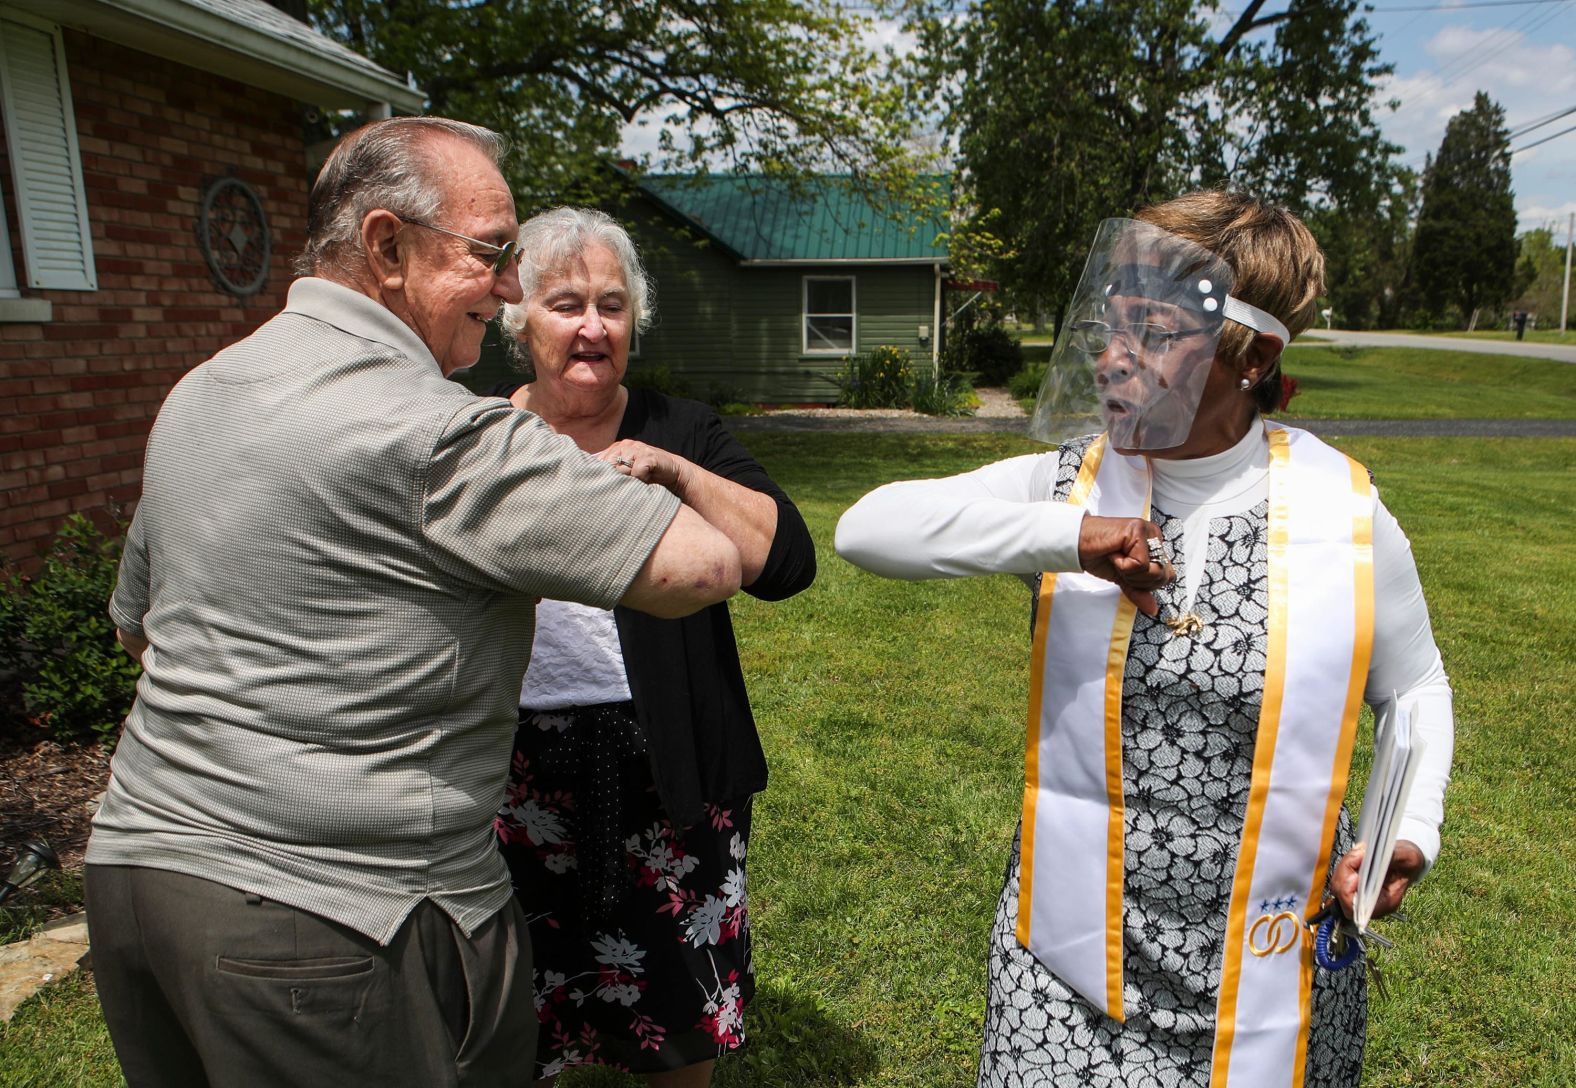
46 166
829 314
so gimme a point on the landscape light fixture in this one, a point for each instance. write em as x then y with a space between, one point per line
36 856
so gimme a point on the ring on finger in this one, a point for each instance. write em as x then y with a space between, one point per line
1158 554
623 462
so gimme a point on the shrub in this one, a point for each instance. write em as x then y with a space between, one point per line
990 351
59 660
657 378
948 395
880 379
730 400
1026 383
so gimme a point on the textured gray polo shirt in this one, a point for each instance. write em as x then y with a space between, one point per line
334 563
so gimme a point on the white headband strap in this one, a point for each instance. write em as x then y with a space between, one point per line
1245 313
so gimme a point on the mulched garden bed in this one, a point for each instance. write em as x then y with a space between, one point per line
45 792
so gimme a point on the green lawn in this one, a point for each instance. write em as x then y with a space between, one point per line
893 715
1344 382
1348 382
1548 333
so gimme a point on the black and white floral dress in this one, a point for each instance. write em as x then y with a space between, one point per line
1190 714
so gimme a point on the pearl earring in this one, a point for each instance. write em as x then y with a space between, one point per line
1244 385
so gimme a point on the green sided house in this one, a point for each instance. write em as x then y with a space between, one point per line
762 291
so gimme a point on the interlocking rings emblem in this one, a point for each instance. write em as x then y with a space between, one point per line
1282 932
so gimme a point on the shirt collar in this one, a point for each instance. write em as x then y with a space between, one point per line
355 313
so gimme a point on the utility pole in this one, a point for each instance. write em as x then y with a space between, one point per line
1565 295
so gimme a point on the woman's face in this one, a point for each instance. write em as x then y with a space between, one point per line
577 323
1151 375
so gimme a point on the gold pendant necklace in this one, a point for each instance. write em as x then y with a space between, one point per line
1188 623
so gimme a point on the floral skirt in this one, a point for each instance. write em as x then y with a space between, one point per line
640 933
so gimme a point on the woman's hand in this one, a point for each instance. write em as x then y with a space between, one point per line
1117 550
1406 865
648 464
746 517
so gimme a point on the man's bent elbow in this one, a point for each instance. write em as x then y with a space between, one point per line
692 567
715 582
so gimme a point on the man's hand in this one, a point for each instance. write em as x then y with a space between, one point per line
1115 549
1406 865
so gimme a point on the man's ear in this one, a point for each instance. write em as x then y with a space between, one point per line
384 248
1259 361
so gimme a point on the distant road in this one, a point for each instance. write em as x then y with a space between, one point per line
1560 353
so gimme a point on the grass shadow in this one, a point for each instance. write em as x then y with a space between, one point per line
793 1040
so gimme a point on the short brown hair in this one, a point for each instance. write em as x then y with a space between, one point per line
1276 263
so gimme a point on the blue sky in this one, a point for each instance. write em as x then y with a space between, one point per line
1522 55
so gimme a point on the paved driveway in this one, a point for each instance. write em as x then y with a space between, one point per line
1562 353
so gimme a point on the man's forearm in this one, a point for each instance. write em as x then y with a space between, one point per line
134 645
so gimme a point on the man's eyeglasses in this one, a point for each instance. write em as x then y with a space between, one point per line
500 256
1153 340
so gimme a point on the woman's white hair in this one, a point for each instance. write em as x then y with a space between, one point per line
551 240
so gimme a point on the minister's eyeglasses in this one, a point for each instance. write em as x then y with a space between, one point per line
1154 340
500 256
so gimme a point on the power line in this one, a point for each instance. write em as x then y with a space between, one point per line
1459 7
1546 139
1494 43
1511 35
1516 134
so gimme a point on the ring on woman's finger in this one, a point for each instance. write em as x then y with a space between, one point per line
623 462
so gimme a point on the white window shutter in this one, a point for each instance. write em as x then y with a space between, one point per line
46 165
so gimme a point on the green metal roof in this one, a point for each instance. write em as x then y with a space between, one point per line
757 218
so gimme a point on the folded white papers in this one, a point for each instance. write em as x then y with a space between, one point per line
1397 754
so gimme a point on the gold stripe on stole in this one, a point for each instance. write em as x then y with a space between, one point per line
1116 805
1263 753
1078 496
1363 614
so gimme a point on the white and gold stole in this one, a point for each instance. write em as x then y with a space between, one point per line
1320 638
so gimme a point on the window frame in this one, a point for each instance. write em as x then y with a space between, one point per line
9 289
805 314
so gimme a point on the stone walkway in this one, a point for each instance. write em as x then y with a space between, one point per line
48 956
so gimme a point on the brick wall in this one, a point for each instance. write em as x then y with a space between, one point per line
79 393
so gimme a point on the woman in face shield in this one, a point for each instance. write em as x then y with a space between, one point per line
1214 594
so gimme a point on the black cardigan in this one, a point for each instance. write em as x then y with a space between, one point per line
684 674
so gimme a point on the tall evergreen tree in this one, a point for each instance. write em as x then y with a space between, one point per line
1465 250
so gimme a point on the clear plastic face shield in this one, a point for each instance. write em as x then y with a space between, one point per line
1136 348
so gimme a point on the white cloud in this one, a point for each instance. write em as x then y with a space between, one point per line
1528 77
1543 215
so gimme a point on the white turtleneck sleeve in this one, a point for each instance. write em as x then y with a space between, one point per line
993 520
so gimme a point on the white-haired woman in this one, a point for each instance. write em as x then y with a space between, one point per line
628 812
